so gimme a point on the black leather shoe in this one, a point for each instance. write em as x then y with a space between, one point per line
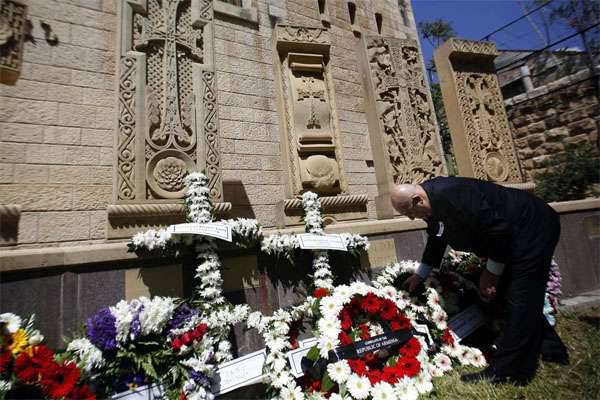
490 376
562 359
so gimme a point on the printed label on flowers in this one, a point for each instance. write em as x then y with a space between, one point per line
213 229
357 349
467 321
240 372
322 242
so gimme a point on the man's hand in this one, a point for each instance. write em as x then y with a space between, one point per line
488 283
412 282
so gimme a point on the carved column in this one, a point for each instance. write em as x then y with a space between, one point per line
13 16
310 136
402 126
481 135
167 123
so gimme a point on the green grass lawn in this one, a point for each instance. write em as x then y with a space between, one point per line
578 381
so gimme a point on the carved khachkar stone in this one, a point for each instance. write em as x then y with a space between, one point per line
167 109
403 130
481 135
13 16
311 146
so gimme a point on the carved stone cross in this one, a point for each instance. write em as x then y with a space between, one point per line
307 91
168 33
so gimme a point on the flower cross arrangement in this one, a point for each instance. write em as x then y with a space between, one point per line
175 342
29 369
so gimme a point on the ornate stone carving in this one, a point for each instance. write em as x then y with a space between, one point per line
167 102
480 132
13 16
311 157
311 135
403 130
167 115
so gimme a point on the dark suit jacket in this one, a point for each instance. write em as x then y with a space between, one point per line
489 220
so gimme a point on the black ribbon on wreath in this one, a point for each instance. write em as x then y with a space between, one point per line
358 349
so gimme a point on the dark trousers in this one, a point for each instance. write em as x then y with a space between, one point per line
527 332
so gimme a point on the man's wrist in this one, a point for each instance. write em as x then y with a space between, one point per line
495 267
423 270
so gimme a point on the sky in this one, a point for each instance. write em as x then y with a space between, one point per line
474 19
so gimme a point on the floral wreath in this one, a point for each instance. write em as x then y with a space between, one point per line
194 340
343 316
28 364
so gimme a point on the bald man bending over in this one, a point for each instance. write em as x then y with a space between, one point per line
517 232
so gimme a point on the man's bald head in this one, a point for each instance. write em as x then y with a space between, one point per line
410 200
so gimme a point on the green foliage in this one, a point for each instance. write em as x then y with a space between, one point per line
437 31
570 176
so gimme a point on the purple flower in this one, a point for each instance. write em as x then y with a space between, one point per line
101 330
182 313
200 378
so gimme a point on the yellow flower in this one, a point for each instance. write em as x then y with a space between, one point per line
18 342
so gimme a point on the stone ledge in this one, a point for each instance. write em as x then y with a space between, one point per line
565 207
45 257
249 14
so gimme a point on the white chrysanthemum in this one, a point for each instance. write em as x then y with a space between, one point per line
478 360
325 345
330 307
434 370
339 372
337 396
11 321
254 319
329 327
282 379
156 313
439 317
359 386
5 386
123 316
423 383
342 291
442 362
292 394
383 391
36 338
90 356
406 390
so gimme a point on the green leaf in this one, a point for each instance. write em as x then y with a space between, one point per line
313 354
326 383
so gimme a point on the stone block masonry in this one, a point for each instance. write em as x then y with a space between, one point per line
553 119
56 134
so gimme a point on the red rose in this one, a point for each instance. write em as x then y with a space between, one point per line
5 361
186 338
447 337
315 385
400 323
29 368
199 332
320 292
176 344
58 381
182 396
370 303
374 376
411 348
345 319
345 339
364 332
82 393
390 375
408 366
389 310
358 366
